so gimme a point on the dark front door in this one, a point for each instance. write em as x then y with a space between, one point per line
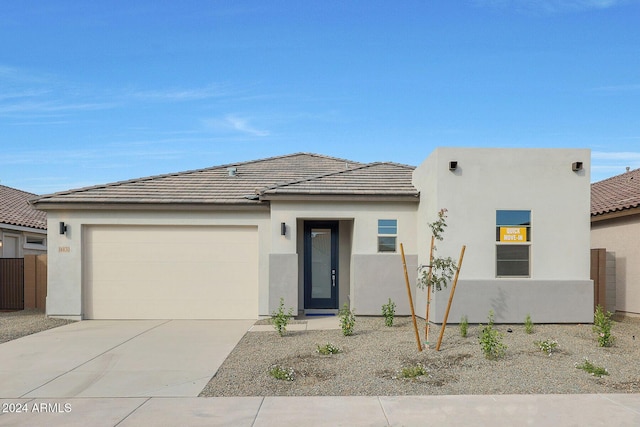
321 264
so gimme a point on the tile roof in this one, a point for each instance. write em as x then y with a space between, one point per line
215 186
377 179
16 210
617 193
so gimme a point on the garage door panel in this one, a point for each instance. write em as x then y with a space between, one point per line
144 272
124 253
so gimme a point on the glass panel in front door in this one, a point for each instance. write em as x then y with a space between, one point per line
321 274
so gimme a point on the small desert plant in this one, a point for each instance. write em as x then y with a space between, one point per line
463 326
491 341
389 311
548 346
413 371
596 371
347 320
281 373
602 327
328 349
280 319
528 324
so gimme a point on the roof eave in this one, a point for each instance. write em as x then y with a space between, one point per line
618 213
151 206
24 228
320 197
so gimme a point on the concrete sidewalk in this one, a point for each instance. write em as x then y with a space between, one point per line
494 410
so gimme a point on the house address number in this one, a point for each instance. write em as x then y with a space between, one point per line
64 249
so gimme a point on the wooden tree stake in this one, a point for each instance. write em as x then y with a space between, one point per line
426 326
453 289
413 314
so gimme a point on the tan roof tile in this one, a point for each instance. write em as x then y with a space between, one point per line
379 179
16 210
616 193
208 186
300 173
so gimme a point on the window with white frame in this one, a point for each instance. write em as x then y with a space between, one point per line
33 241
513 243
387 235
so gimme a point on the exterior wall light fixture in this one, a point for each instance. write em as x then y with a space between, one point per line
453 165
576 166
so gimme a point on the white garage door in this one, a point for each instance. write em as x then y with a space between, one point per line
170 272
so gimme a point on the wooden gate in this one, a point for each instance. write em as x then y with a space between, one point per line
11 284
599 277
35 281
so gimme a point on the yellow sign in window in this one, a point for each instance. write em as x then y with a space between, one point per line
513 234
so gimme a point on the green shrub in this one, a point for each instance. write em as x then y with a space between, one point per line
528 324
463 326
413 371
281 373
491 341
602 324
596 371
347 320
280 319
389 311
328 349
548 346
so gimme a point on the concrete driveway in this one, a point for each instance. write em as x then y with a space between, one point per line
118 358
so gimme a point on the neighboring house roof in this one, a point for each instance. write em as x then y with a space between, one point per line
252 180
616 194
16 210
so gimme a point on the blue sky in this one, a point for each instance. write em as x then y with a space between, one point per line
96 92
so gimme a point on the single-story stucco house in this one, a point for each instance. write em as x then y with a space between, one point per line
229 241
23 229
615 226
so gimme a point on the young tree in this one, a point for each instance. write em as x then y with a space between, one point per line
440 270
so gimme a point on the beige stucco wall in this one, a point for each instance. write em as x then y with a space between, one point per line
364 215
358 237
64 296
619 237
486 180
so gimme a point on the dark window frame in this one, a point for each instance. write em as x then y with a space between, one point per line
513 259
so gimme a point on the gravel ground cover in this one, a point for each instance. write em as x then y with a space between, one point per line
372 359
16 324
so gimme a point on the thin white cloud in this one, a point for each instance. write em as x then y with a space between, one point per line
19 76
100 157
41 122
607 164
51 107
27 93
232 122
194 94
631 156
618 88
242 125
551 6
